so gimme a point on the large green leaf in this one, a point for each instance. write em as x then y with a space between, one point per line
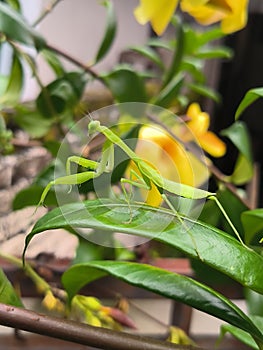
239 135
110 31
126 85
7 292
250 97
201 241
14 26
168 284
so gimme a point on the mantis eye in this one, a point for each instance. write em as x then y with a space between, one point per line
93 126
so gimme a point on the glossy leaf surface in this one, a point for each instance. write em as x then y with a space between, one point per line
200 241
168 284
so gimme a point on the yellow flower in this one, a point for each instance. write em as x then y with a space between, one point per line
197 128
158 12
231 13
169 158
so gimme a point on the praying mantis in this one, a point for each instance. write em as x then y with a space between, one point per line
149 175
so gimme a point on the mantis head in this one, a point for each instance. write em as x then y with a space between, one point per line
93 126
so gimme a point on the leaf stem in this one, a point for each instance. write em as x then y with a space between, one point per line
41 284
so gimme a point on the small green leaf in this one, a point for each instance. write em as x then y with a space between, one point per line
179 52
214 52
15 83
7 293
126 85
250 97
30 197
52 59
241 335
252 221
214 247
149 53
61 94
205 91
209 35
14 26
32 121
110 31
170 92
168 284
239 136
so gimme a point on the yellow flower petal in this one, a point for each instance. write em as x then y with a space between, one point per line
212 144
158 12
231 13
169 158
237 19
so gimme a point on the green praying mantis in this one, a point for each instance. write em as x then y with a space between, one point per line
149 175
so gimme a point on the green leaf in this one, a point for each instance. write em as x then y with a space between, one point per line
32 121
254 302
61 94
15 4
205 91
52 59
149 53
7 293
239 136
209 35
30 197
170 92
201 241
14 26
15 84
241 335
168 284
126 85
110 32
179 51
250 97
214 52
252 221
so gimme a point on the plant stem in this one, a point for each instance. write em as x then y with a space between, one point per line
41 284
75 61
49 8
80 333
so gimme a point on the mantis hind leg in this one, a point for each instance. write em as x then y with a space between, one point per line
128 195
181 221
227 219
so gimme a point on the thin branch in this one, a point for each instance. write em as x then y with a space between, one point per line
49 8
75 61
101 338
